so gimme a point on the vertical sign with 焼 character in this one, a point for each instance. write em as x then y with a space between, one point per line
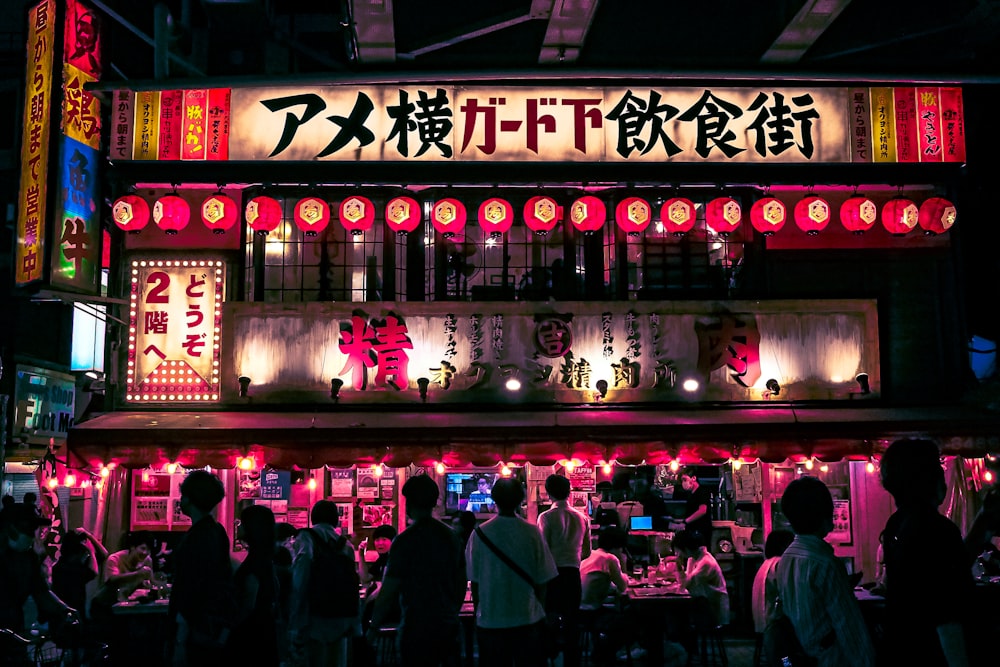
193 126
122 124
883 125
929 124
175 319
76 244
905 102
171 124
217 128
860 134
31 210
952 125
146 136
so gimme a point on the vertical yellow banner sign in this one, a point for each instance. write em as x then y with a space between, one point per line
146 135
883 125
35 144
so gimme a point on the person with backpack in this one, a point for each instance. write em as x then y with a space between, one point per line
324 602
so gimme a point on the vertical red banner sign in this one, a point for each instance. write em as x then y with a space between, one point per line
122 124
171 119
929 124
31 209
861 129
952 125
218 124
907 148
194 124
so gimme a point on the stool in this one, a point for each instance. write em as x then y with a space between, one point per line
385 647
710 647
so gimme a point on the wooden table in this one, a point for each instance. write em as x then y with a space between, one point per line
654 607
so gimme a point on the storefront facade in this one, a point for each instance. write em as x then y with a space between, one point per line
350 281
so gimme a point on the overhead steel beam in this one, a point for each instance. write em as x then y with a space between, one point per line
803 31
374 32
472 34
569 23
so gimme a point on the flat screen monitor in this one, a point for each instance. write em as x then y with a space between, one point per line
640 523
469 490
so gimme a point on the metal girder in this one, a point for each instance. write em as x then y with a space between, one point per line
374 32
803 30
569 22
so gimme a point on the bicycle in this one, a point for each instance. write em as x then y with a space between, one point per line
42 650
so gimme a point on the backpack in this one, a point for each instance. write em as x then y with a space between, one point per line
333 579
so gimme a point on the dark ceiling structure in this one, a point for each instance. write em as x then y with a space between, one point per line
894 39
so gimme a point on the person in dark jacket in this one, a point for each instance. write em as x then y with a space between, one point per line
254 640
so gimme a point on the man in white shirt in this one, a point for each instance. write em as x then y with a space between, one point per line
129 568
509 590
603 568
566 532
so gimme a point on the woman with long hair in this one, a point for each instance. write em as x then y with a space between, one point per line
254 640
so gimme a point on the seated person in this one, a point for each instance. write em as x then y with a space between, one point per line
602 569
126 570
77 566
21 572
765 583
700 574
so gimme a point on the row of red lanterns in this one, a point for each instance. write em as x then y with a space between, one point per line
587 214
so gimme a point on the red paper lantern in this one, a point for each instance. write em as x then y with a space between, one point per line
263 214
937 215
402 214
723 215
311 215
130 213
171 213
542 214
448 217
633 215
812 214
767 215
496 216
858 214
219 213
899 216
678 215
587 214
357 214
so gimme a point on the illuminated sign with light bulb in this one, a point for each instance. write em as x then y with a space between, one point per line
175 331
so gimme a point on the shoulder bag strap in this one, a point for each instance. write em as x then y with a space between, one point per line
505 558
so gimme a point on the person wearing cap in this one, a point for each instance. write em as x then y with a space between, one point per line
426 574
21 570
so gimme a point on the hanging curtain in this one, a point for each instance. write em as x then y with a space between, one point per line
113 516
964 480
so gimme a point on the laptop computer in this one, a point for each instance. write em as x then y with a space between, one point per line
640 523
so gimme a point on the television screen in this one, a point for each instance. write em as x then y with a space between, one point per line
470 491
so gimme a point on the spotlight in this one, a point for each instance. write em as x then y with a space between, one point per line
773 387
244 385
335 385
602 389
862 379
691 385
513 384
422 384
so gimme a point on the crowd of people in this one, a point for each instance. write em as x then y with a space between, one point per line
300 598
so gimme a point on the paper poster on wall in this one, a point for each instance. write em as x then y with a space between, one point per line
150 511
581 478
298 517
279 507
377 515
274 484
841 533
346 517
341 482
249 484
579 500
387 484
367 483
178 518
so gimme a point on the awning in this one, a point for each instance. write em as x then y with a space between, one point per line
712 435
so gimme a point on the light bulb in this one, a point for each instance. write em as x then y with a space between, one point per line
737 463
171 468
870 467
439 468
675 465
145 476
505 471
69 480
53 482
312 484
809 464
606 468
988 476
378 470
246 463
105 471
824 468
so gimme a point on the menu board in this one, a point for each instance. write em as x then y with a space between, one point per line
156 501
841 533
367 483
